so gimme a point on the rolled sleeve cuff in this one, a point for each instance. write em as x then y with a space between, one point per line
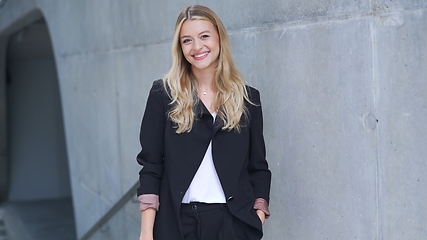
148 201
261 204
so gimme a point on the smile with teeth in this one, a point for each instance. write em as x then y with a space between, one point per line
200 56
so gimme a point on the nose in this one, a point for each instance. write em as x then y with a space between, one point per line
198 44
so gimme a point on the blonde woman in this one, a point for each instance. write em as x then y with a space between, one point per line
204 173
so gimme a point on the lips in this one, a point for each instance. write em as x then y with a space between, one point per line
200 56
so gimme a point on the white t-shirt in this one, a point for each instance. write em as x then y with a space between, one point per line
205 186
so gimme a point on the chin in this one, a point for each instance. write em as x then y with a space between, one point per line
200 66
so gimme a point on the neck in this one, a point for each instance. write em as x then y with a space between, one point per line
205 79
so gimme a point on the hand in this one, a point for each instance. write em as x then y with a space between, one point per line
261 216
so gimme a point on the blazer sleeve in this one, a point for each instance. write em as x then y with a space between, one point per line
259 173
151 138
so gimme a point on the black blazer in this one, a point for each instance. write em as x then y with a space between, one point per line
170 161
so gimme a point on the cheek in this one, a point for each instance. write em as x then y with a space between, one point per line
186 56
187 59
184 52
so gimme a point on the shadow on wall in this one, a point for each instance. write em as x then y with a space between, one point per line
36 152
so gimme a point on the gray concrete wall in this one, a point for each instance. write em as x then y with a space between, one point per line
343 89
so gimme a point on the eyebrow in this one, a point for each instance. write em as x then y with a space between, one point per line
186 36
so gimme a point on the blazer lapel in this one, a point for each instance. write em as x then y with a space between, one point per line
201 110
218 124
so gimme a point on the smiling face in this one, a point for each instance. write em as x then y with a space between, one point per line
199 41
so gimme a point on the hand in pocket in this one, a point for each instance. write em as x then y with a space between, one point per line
261 216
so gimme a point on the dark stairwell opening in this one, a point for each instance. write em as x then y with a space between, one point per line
38 201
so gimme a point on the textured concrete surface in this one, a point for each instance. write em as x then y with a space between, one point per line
343 88
320 111
402 114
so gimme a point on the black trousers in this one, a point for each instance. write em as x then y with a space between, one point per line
202 221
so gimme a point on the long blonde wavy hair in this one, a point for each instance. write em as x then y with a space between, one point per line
181 84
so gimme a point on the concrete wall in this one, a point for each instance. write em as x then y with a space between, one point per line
343 89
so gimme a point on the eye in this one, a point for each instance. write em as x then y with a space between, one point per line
205 36
186 41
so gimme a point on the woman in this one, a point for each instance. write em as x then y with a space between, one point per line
204 172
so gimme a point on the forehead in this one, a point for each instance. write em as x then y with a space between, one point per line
196 26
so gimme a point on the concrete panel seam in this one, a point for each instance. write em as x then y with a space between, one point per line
112 50
376 12
374 95
300 23
320 20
